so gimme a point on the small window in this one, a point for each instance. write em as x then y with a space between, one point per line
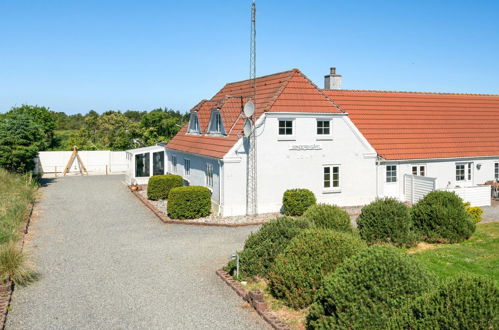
142 165
187 167
419 170
285 127
391 173
464 171
194 127
216 124
323 127
158 163
331 177
174 164
496 171
209 174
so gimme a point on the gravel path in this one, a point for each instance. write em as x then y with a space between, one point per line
107 262
490 213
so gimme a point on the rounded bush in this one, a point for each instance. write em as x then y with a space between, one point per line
297 272
463 302
189 202
328 217
386 221
475 212
159 186
441 217
297 201
368 289
261 247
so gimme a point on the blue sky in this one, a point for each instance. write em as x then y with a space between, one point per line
74 56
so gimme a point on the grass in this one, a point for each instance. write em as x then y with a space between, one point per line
17 192
479 255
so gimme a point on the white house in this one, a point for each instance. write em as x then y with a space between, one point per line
348 147
144 163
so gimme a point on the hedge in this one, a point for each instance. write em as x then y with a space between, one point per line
159 186
189 202
441 217
328 217
297 273
262 246
368 289
386 221
463 302
297 201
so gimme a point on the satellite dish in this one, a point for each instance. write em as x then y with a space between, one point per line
248 127
249 109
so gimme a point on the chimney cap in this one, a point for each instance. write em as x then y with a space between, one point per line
333 70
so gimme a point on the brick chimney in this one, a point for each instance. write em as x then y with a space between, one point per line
332 80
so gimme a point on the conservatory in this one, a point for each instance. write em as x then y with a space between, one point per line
144 163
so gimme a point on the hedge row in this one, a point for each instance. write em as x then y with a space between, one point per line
159 186
189 202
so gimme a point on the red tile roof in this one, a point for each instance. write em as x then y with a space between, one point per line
413 125
288 91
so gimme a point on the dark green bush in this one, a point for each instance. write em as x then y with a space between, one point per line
189 202
464 302
368 289
297 272
159 186
328 217
386 221
262 246
297 201
441 217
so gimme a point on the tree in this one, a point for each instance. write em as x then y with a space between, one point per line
161 125
21 137
41 116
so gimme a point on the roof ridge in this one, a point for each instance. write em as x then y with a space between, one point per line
281 88
198 105
322 92
268 75
407 92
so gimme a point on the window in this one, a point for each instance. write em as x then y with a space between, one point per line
209 174
419 170
323 127
331 177
174 164
187 167
158 163
285 127
496 171
216 125
464 171
391 173
194 124
142 165
460 172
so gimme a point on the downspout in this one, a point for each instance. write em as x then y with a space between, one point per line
221 184
377 176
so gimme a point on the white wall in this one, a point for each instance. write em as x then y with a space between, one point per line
94 161
131 178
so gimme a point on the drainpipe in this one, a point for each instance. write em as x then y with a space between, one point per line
221 185
377 176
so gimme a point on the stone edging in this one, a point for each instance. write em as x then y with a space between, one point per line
255 299
167 219
7 289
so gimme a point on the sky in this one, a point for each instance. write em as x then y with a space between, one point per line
76 56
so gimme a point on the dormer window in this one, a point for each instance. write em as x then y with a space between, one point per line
216 126
194 124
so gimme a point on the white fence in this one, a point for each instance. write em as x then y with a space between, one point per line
96 162
476 195
416 187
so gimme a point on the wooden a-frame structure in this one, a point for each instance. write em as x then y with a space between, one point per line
81 166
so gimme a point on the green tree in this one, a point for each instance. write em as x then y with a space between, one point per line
41 116
161 125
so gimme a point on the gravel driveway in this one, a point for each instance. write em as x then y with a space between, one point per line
107 262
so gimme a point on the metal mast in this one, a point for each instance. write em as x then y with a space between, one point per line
251 175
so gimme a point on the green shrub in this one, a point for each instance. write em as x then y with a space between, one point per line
261 247
463 302
386 221
441 217
368 289
475 212
328 217
159 186
297 201
297 272
189 202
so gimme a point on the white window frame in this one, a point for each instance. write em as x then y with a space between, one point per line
194 127
420 169
187 167
467 172
390 178
332 188
286 136
216 126
209 174
174 164
324 136
496 171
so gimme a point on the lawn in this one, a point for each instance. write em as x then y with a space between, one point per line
479 255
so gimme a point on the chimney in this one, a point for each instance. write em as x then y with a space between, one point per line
332 80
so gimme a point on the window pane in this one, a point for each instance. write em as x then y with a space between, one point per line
142 165
422 170
158 163
414 170
391 173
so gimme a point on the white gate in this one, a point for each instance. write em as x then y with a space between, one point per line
416 187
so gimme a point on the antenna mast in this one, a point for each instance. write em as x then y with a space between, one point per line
251 175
